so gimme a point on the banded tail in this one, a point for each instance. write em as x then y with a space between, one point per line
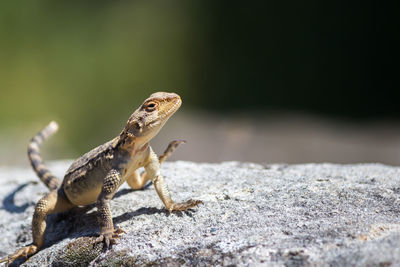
51 181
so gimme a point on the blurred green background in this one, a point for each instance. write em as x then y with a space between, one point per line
322 69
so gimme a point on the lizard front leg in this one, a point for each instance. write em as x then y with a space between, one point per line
153 171
107 231
138 181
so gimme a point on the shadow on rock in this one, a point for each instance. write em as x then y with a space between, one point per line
17 263
9 203
150 211
147 211
128 190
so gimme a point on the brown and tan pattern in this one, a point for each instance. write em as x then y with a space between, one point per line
36 160
96 176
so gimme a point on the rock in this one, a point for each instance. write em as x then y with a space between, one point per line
292 215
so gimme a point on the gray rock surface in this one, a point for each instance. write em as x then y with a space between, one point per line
273 215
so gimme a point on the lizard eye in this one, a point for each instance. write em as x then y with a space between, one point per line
151 106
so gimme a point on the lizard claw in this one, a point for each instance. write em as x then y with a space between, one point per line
109 238
20 253
176 143
118 231
185 205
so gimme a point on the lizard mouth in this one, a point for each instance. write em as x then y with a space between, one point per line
178 102
172 109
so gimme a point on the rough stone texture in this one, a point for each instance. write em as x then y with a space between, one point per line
279 215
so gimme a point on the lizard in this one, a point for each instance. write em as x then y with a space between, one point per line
96 176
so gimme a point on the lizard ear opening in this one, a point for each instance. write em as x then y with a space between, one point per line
135 128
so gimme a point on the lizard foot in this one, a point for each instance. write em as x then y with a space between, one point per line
109 237
20 253
185 205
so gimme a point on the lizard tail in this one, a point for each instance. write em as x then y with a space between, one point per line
36 160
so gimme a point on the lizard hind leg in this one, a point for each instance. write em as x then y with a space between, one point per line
53 202
170 149
20 253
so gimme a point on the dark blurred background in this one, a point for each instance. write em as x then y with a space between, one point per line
262 81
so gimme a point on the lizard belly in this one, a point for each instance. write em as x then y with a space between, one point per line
84 190
134 163
89 197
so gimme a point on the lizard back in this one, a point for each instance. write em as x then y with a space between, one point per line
88 160
84 179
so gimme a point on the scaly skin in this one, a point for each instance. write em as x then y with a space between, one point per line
96 176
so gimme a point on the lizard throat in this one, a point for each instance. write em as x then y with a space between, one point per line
132 144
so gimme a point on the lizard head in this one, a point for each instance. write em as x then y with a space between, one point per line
150 117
